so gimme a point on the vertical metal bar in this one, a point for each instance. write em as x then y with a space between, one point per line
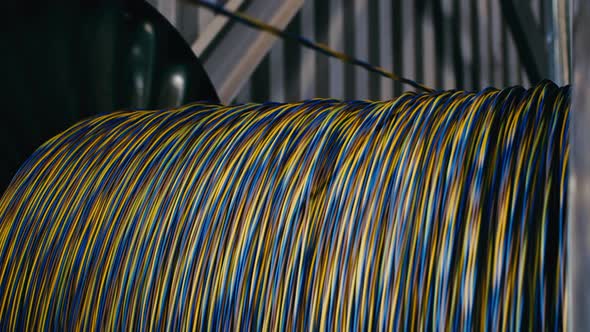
308 64
322 34
293 62
361 47
464 40
439 40
490 38
428 49
408 42
493 41
385 49
514 61
374 38
475 47
337 69
564 37
549 35
505 57
349 48
449 79
484 25
277 73
397 43
578 250
557 37
419 38
457 51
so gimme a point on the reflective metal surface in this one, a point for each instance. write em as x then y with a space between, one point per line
578 264
558 40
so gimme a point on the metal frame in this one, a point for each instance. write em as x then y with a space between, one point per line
213 29
557 21
545 46
578 260
233 59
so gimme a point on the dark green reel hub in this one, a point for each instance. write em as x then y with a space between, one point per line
70 60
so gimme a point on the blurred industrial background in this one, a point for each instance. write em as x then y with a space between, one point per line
78 59
446 44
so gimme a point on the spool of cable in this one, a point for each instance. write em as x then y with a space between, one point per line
442 210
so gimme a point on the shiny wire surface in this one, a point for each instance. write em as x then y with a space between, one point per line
443 210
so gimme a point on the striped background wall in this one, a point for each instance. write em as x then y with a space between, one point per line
444 43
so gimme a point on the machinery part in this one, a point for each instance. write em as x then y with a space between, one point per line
70 61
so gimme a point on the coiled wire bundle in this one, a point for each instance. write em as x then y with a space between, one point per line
439 210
